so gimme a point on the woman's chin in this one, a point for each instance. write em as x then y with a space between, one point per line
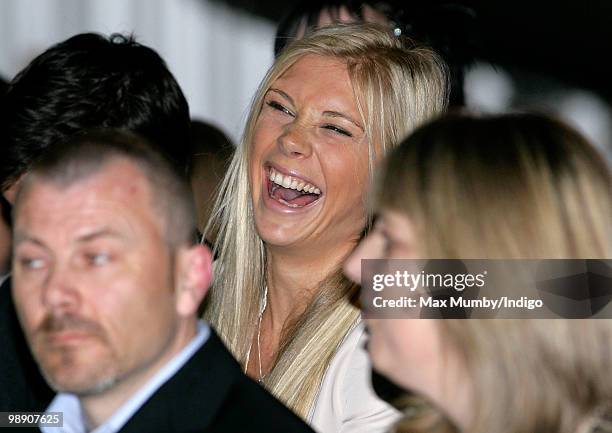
281 226
280 235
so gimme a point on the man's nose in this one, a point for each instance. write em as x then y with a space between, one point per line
59 289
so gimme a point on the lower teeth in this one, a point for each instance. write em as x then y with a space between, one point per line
288 204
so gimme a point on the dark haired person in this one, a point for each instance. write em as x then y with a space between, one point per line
308 15
212 153
86 81
5 239
446 26
107 285
5 232
91 81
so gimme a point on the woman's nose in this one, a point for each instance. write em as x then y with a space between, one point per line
294 142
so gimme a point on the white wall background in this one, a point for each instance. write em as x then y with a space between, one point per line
217 54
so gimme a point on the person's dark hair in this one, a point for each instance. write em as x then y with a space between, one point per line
86 154
448 27
5 207
212 154
307 13
208 141
5 210
91 81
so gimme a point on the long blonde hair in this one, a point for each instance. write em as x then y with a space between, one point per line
513 186
397 86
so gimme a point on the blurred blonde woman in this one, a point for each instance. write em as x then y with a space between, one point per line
514 186
292 207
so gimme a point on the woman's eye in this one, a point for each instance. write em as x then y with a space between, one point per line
387 242
276 106
378 223
338 130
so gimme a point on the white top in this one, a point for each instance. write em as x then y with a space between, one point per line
347 402
70 406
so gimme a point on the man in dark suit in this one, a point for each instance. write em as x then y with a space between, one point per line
86 81
107 282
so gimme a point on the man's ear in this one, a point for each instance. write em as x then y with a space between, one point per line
193 278
11 192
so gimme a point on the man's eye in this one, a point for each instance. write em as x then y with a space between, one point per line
338 130
32 264
276 106
98 259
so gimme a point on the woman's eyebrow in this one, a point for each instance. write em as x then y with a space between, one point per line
283 94
344 116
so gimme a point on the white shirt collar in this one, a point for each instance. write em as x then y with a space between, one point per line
70 406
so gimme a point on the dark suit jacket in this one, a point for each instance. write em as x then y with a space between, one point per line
22 387
211 394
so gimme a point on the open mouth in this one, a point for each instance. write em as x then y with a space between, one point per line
291 191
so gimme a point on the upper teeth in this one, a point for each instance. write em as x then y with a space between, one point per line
292 182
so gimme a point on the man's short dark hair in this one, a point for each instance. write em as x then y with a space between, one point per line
86 154
91 81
